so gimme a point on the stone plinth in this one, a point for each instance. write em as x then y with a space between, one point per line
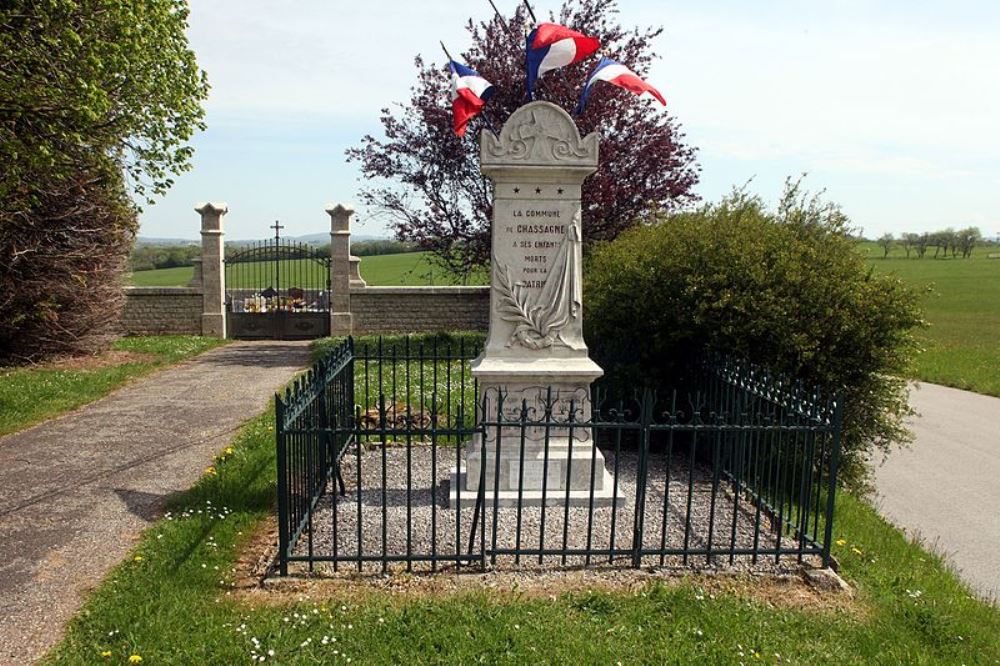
537 165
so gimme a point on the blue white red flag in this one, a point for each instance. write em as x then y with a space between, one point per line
617 74
469 93
552 46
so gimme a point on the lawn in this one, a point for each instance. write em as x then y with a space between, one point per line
412 268
29 395
961 299
173 601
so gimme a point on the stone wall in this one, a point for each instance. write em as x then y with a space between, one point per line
162 310
413 309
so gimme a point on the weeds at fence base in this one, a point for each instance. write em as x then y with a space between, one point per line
788 590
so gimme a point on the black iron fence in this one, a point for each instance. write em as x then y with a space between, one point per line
373 445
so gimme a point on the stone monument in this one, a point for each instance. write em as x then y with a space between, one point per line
537 165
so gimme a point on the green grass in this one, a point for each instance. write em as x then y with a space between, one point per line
171 603
419 385
29 395
163 277
408 269
961 300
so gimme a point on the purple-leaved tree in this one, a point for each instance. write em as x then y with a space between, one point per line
427 179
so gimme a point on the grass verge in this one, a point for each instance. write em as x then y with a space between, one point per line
29 395
172 602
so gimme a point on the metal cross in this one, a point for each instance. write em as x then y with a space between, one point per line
277 227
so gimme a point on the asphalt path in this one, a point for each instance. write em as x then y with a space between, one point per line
945 487
76 491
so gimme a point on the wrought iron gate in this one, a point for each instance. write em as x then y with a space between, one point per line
277 289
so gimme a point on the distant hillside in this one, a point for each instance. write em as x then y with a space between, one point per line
147 240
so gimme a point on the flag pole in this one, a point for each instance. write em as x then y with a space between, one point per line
445 49
503 21
531 12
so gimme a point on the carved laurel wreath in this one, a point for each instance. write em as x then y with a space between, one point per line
531 322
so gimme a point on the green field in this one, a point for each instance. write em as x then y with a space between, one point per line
412 268
961 300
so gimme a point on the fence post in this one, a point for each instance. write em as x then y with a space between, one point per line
279 418
646 411
838 425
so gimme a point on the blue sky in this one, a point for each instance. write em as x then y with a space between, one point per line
891 107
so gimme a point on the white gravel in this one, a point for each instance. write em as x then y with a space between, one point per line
433 523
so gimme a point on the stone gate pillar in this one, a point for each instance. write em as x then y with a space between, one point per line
341 322
213 315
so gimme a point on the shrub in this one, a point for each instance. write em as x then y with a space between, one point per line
99 101
61 265
785 288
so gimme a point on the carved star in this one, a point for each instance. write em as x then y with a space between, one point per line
538 190
517 190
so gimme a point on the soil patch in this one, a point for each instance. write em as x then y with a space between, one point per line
256 584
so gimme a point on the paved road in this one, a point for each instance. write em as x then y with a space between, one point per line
75 492
946 486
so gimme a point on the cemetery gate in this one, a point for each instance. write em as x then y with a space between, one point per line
277 289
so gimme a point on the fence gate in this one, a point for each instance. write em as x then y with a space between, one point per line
277 289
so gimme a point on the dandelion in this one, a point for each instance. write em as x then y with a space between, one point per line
856 550
210 470
134 659
106 653
841 542
229 451
137 558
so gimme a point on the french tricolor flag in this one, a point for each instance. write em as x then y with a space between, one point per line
469 93
617 74
552 46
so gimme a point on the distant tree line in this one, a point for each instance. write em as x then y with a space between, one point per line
947 242
149 257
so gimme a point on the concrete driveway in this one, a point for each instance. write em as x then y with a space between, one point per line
946 486
76 491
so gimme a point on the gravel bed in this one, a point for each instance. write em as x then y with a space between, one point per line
433 523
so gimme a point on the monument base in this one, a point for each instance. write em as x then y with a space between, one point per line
603 495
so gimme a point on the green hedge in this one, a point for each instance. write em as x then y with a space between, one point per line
785 288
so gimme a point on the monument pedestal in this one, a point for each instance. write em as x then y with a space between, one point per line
535 374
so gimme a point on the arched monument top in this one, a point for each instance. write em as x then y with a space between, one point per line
538 134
